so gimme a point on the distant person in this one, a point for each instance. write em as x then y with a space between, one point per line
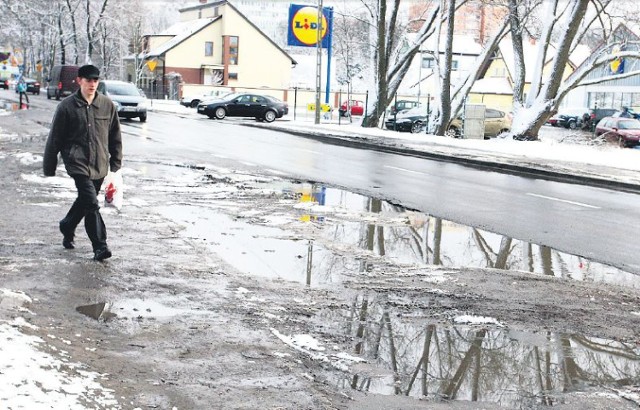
625 113
86 131
21 87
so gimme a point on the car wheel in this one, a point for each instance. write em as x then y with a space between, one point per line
622 143
416 127
194 103
573 125
143 118
270 116
453 132
48 96
220 113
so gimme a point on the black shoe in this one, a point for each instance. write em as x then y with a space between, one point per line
67 238
102 254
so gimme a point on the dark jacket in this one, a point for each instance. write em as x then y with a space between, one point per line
88 136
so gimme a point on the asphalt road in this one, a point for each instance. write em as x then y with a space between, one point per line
596 223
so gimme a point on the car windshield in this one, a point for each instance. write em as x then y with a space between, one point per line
629 125
230 96
122 89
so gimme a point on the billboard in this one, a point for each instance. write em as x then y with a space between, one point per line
303 26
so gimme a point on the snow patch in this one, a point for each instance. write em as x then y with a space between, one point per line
27 158
476 320
40 380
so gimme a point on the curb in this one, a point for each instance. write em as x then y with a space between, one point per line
567 176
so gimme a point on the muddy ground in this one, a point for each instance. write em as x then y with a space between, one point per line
177 320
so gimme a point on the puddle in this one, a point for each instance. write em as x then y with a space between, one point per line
131 309
8 106
366 227
97 311
476 363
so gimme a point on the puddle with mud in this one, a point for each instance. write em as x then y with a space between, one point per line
263 245
474 363
136 309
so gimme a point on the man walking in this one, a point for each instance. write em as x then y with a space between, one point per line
86 131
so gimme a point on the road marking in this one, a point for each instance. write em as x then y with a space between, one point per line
405 170
311 151
564 200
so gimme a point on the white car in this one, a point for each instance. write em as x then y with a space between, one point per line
193 100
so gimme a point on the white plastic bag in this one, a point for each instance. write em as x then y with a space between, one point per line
113 189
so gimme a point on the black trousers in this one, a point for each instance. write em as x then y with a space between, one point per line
86 206
26 98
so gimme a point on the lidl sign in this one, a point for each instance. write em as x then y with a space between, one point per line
304 26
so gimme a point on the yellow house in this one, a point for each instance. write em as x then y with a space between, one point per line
495 88
215 44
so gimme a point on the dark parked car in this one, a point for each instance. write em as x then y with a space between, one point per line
33 86
622 131
568 117
4 83
403 105
261 107
414 120
351 107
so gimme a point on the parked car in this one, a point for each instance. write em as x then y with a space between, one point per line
33 86
193 100
414 120
403 105
628 113
351 107
598 114
261 107
4 83
126 97
619 130
568 117
62 81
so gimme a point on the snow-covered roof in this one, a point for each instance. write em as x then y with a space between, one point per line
462 44
181 31
530 49
492 85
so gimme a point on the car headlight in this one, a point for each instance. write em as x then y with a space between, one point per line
143 104
117 105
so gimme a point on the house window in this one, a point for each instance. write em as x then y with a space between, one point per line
233 50
233 76
208 48
454 65
500 72
428 62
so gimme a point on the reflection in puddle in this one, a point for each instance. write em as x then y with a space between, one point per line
370 227
131 309
97 311
8 106
476 363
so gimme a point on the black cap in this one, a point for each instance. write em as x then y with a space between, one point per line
89 71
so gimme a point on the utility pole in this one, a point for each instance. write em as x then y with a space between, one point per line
319 61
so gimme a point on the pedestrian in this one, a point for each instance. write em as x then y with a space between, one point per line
21 87
85 129
625 112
